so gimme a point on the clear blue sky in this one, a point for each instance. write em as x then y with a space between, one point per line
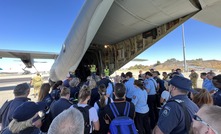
42 25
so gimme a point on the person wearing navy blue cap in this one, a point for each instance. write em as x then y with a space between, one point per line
217 96
26 119
176 115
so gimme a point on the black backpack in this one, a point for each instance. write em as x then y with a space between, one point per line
85 112
103 126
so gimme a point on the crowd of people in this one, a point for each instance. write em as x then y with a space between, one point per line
124 105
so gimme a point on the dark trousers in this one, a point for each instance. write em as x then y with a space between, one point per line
153 113
142 123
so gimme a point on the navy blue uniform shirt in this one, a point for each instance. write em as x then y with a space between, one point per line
217 98
66 83
172 116
59 106
48 100
14 104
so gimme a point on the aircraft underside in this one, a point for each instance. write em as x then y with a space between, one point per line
112 33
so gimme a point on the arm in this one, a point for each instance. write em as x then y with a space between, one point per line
109 90
162 100
96 125
157 130
135 98
162 97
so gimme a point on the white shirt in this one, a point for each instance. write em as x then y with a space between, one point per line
165 95
106 100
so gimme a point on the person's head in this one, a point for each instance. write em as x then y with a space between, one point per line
148 74
123 76
140 72
103 75
57 84
65 93
164 74
26 115
180 86
129 75
70 121
139 84
217 81
92 84
151 70
70 76
192 71
174 74
210 75
156 73
203 75
74 82
178 70
119 90
201 97
44 91
102 92
21 90
84 94
207 120
117 79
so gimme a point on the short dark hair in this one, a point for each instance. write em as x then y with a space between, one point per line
148 73
129 74
164 72
21 89
203 74
178 69
102 86
119 90
157 72
139 84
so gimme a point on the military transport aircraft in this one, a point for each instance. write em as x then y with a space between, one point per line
113 32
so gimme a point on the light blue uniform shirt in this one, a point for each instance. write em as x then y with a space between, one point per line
130 88
150 84
208 85
140 100
110 90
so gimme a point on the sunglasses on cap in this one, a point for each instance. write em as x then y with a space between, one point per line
197 118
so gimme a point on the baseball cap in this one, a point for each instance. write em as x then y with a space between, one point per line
27 110
182 83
